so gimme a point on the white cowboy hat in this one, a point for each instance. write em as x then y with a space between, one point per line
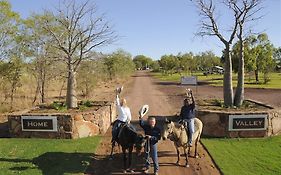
119 89
144 109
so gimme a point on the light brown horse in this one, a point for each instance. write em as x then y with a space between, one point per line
178 135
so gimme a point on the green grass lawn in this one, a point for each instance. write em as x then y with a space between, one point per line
46 156
217 80
246 156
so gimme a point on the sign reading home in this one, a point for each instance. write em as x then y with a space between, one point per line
189 80
247 122
39 123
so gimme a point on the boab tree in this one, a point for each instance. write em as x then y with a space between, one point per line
249 9
76 31
242 10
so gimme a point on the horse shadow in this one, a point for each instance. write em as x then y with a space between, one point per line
102 165
52 163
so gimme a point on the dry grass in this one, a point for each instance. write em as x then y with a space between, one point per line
55 91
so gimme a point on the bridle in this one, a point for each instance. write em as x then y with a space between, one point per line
170 133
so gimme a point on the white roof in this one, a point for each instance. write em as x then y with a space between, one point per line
218 67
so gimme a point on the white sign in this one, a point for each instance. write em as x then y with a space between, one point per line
247 122
189 80
39 123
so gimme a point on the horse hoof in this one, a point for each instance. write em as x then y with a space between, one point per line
110 158
177 163
186 166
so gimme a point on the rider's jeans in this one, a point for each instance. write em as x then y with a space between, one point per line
115 129
190 125
153 153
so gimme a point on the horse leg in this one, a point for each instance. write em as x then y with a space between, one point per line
178 153
196 143
130 160
124 159
186 157
189 150
112 147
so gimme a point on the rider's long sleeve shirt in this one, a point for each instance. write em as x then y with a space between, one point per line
124 113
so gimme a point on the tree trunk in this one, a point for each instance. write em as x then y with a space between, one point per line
239 94
227 79
257 75
43 83
43 91
71 98
36 92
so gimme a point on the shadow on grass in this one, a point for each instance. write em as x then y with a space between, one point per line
53 163
4 130
101 165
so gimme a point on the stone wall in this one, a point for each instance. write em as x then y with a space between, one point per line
76 125
64 121
93 123
216 123
274 121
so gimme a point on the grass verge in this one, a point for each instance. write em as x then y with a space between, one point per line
217 80
246 156
46 156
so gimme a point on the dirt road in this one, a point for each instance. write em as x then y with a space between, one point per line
144 91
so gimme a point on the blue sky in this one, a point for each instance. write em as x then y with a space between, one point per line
158 27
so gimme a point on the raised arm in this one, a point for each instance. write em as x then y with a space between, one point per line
117 100
141 122
193 101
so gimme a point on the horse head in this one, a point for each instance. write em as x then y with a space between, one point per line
168 128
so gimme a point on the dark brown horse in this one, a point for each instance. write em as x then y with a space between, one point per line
128 138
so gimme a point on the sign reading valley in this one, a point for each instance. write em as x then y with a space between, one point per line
247 122
39 123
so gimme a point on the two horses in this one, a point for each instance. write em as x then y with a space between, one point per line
128 139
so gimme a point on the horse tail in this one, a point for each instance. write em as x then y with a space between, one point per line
199 127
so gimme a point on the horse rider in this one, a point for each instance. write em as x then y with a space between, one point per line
152 134
187 115
124 116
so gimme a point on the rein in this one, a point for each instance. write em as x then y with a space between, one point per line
174 135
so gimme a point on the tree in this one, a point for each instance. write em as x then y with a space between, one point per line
86 77
142 61
11 45
277 57
248 9
155 66
119 64
186 62
8 28
209 27
76 31
169 63
206 60
40 53
261 55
